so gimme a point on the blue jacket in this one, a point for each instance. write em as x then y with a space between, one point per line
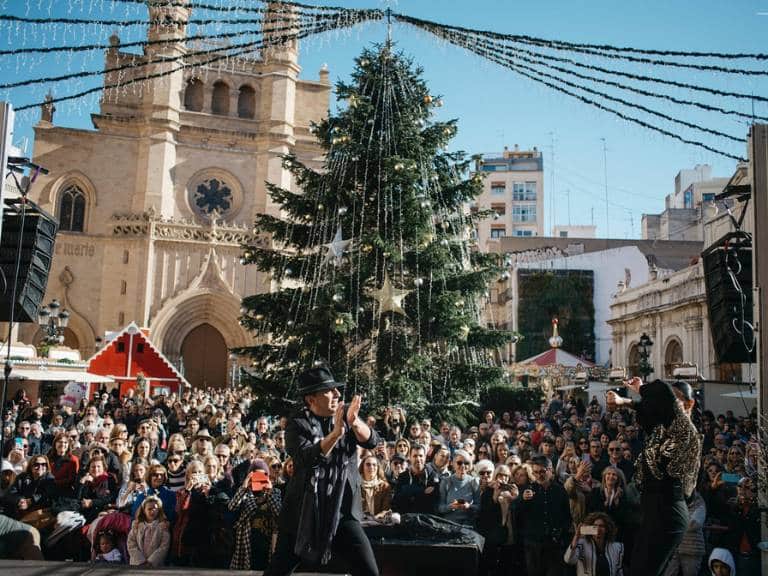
167 497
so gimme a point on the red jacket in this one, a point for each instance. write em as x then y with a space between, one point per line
64 470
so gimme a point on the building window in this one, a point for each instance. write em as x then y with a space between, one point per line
140 347
563 233
498 232
524 191
500 209
193 95
121 347
498 188
123 287
220 102
707 198
688 198
524 213
126 256
121 319
523 233
246 102
72 209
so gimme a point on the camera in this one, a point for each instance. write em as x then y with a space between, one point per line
588 530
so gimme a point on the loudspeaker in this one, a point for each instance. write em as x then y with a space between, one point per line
37 243
728 281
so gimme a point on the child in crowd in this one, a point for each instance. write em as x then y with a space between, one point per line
150 537
108 552
721 563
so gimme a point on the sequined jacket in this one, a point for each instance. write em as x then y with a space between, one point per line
672 451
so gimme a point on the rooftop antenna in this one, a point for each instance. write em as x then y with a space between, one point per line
389 27
605 173
552 200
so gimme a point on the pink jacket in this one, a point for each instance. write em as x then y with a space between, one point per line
149 542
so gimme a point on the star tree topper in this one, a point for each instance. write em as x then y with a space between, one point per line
336 248
389 298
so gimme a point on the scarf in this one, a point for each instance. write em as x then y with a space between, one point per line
369 493
255 510
321 505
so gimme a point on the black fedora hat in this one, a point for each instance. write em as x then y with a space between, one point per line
317 379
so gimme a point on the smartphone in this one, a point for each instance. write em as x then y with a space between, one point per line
730 478
19 442
460 501
588 530
200 478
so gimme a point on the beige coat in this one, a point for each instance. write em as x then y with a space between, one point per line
149 542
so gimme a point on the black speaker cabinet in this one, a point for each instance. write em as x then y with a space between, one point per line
728 281
37 243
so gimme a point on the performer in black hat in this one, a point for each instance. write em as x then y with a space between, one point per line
322 507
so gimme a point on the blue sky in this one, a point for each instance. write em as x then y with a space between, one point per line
494 106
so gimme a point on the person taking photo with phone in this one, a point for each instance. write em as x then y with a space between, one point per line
547 518
593 549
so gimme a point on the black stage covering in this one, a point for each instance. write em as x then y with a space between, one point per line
423 542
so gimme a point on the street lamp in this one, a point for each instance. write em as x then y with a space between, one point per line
53 320
644 348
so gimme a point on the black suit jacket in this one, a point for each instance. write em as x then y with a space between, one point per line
306 454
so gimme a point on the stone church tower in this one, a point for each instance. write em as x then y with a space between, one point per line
155 201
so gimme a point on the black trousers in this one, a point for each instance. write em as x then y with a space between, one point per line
665 520
350 545
544 558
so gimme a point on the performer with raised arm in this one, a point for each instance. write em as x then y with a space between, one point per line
322 508
665 472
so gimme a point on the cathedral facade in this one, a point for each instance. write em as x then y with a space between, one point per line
156 201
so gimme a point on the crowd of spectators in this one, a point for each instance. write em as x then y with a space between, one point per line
197 480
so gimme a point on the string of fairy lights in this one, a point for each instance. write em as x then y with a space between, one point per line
622 82
322 230
586 72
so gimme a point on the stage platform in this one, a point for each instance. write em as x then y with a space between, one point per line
37 568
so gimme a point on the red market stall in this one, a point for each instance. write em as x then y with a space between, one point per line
131 359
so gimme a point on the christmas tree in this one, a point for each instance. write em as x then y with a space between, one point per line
371 264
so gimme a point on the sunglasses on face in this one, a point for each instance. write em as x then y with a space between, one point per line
39 465
461 463
485 473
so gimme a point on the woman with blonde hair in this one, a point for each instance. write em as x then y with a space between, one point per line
403 447
176 443
376 491
191 512
149 538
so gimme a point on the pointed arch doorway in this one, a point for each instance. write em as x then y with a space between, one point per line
204 352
